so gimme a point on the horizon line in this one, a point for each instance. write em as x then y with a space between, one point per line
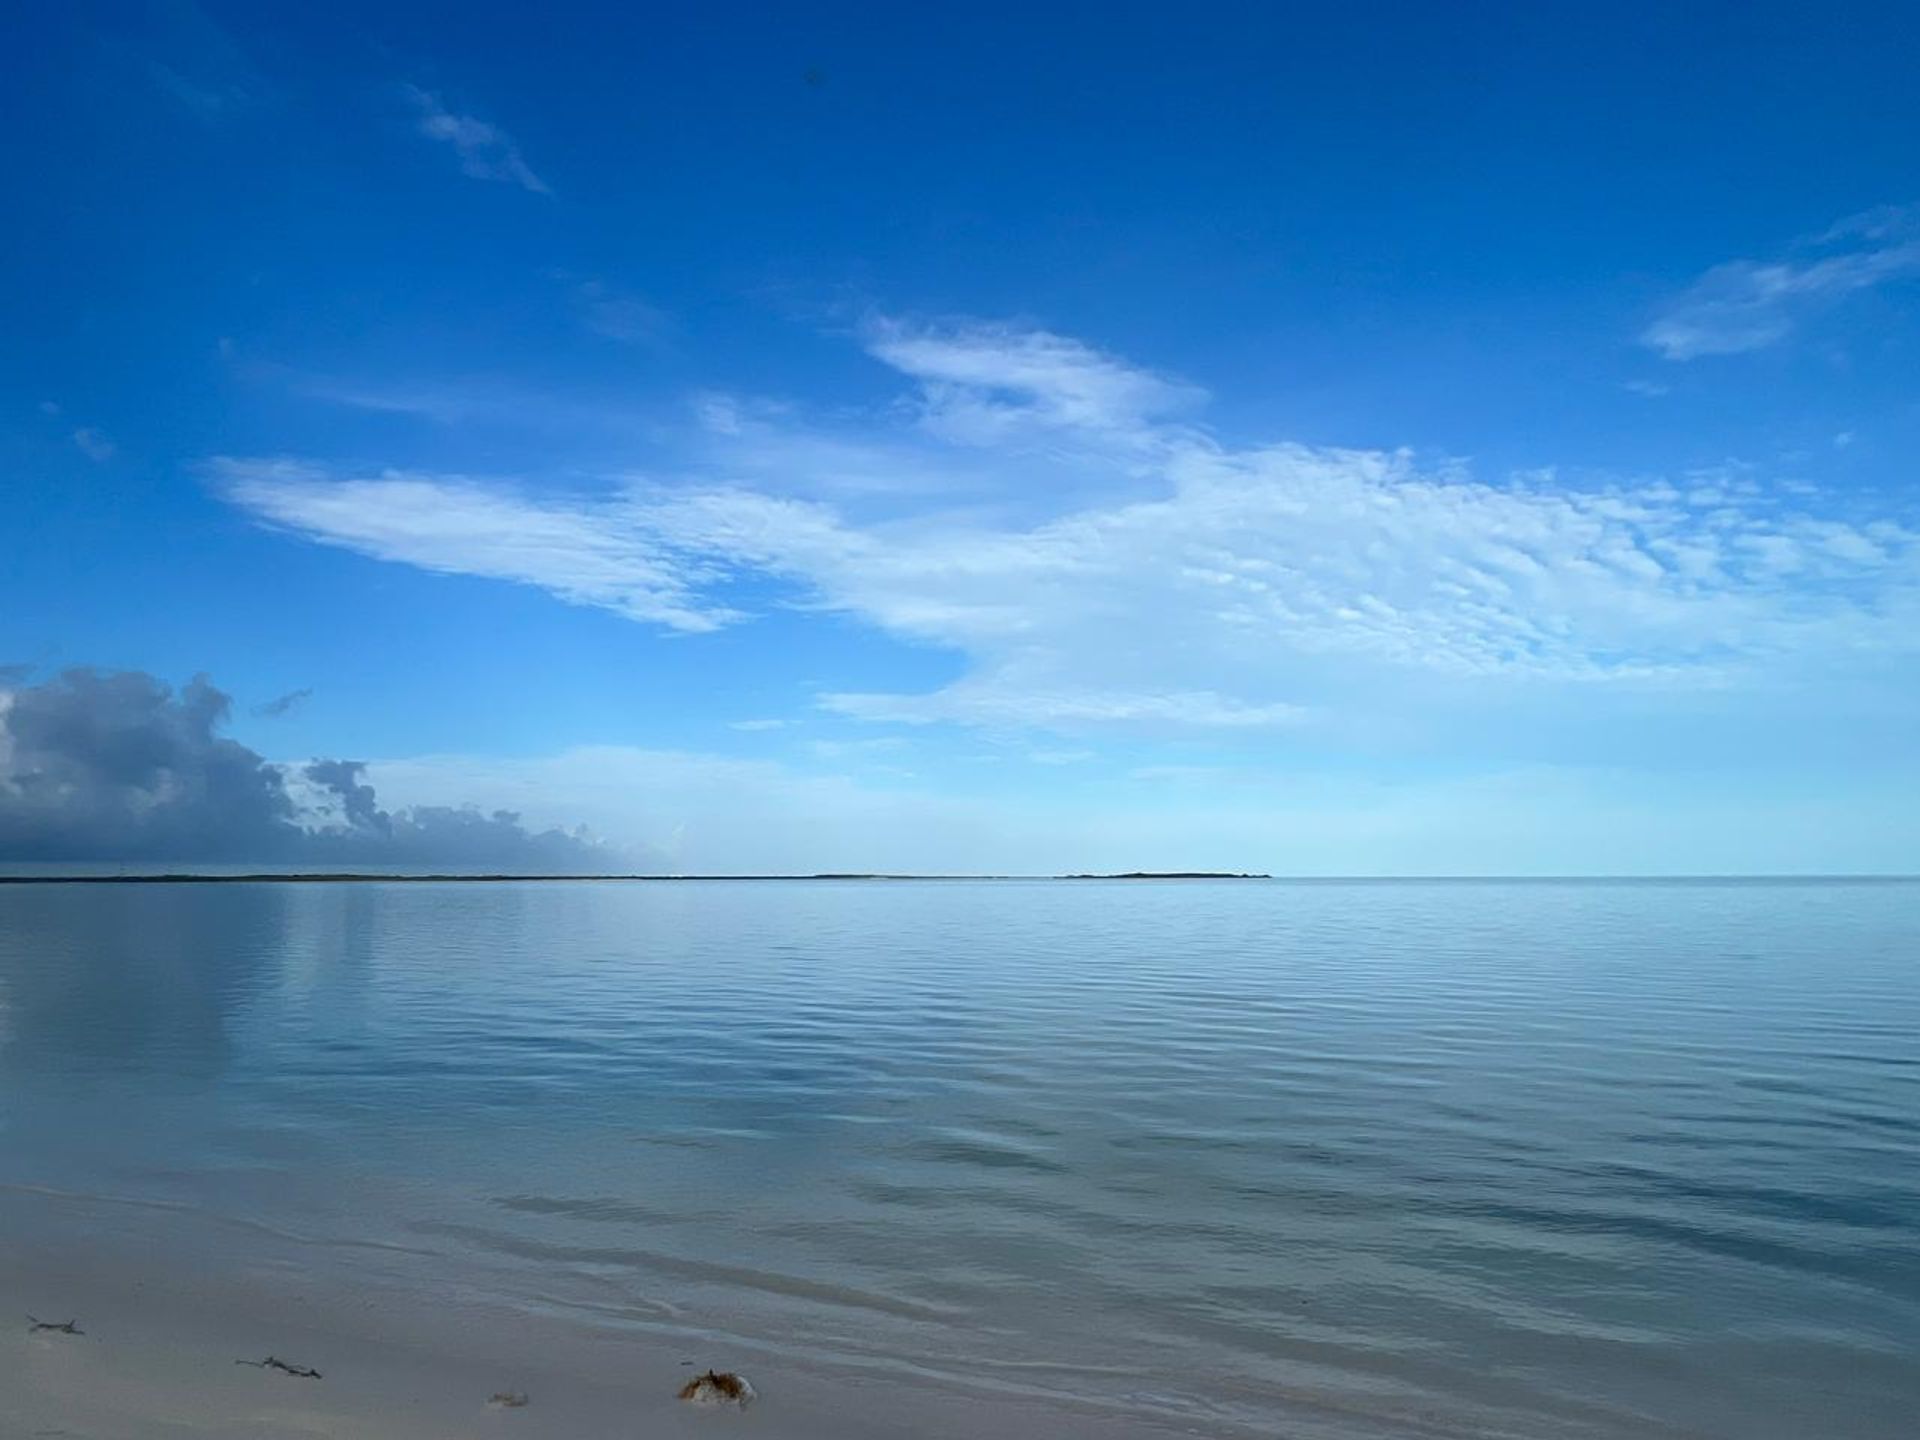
182 877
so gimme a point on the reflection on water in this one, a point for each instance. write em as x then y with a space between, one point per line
140 979
1532 1159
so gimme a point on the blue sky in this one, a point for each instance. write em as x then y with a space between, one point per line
1361 440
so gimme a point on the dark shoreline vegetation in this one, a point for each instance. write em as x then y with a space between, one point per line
347 877
364 878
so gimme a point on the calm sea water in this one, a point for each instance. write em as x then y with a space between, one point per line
1533 1159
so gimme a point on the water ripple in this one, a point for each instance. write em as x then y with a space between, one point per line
1344 1161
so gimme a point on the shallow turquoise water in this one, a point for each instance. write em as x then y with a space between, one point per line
1533 1158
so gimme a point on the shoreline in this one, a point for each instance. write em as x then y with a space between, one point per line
176 1316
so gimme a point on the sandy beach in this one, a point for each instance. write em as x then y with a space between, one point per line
163 1327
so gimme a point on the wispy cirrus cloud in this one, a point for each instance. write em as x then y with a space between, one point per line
1187 584
986 384
587 554
94 444
195 62
208 102
1748 305
89 440
615 315
993 702
486 152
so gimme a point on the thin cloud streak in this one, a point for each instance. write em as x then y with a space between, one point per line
1748 305
584 554
94 445
486 151
283 705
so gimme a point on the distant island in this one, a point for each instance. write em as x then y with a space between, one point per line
1172 875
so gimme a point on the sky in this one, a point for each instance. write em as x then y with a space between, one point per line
1320 440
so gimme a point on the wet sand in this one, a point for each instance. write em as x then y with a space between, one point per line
164 1325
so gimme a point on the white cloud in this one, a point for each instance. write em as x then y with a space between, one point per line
1180 584
94 445
862 749
993 701
584 553
1748 305
444 406
751 726
209 102
205 71
486 151
706 813
618 316
982 384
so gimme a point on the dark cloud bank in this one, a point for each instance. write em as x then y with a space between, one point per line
120 767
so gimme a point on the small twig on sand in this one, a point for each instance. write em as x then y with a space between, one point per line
273 1362
507 1399
63 1327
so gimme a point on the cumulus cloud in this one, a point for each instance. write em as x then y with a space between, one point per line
120 767
486 151
1750 304
341 779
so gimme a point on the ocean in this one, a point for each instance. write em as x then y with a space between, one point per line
1321 1159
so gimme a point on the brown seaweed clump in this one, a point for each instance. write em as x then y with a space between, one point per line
718 1387
274 1362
